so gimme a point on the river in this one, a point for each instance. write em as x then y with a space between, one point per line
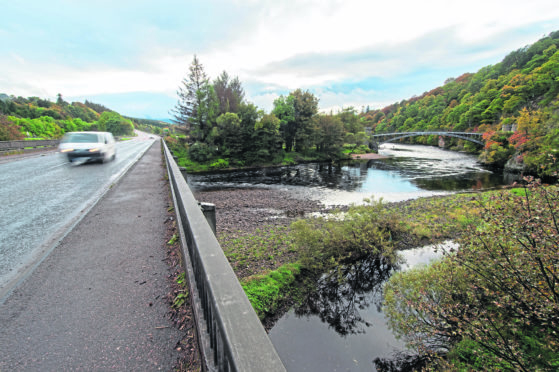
406 172
342 327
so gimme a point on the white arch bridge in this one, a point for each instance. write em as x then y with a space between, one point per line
377 139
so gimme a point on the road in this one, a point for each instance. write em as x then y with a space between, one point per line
42 197
98 301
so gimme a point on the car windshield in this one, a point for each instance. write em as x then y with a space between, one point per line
81 138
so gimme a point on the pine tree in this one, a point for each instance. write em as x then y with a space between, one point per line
188 111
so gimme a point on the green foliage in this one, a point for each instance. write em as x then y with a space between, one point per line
219 164
201 152
496 299
111 121
40 118
361 232
268 292
228 135
173 239
43 127
329 135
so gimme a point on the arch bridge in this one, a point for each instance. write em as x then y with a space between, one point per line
378 139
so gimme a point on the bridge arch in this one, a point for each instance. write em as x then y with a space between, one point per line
378 139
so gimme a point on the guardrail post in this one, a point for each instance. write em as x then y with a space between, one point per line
209 212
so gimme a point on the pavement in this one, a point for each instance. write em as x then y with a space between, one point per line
97 302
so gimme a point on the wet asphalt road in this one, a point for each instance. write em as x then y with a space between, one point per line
95 303
42 196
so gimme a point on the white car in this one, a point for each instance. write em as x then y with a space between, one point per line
88 146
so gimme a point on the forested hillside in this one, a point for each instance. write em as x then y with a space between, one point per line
35 117
515 103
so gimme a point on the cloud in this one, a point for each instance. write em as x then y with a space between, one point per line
346 51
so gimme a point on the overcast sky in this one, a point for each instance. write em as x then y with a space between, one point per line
132 55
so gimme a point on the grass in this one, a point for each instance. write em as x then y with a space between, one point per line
267 248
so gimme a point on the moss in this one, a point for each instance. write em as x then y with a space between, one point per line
268 292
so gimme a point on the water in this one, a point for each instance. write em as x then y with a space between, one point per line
342 327
407 172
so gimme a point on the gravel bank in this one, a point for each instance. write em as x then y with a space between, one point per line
249 209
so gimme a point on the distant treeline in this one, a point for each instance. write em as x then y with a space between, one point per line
34 117
515 103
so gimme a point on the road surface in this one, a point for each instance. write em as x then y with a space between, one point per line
43 196
97 301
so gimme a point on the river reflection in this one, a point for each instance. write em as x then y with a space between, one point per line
341 294
408 171
341 327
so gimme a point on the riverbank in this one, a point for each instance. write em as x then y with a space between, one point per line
368 156
254 230
256 213
253 224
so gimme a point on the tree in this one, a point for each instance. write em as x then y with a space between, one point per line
112 122
296 113
8 130
495 299
330 134
196 107
306 108
229 93
350 120
266 139
284 110
60 101
229 135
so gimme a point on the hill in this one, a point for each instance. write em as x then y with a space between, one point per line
515 103
34 117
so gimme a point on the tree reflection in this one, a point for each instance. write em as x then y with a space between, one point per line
340 294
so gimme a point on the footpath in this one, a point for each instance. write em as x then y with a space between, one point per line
97 302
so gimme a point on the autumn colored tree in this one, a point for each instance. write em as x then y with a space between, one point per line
494 302
8 130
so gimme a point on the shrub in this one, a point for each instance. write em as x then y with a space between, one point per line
500 290
200 152
363 231
8 130
219 164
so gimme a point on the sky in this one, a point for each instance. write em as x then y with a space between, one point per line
131 56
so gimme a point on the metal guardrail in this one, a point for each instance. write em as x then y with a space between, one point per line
20 145
230 333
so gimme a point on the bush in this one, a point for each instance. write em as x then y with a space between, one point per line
200 152
500 290
363 231
8 130
220 164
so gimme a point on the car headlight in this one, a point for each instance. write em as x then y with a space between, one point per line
94 150
66 150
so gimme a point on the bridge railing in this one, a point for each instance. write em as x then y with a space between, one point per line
230 333
21 145
389 137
